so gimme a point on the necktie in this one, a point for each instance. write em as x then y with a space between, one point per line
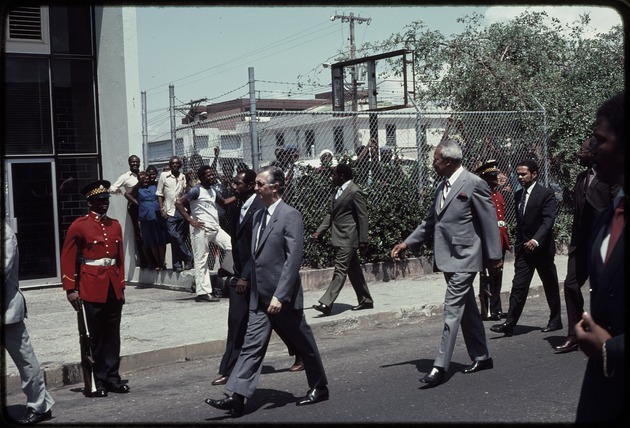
339 192
447 187
616 228
521 203
262 227
243 211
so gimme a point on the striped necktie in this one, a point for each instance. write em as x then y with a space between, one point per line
447 188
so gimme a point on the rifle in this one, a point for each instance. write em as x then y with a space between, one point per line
484 294
87 361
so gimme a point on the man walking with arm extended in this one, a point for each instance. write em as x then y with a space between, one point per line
348 221
463 225
276 298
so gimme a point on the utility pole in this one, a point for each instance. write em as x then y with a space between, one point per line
145 132
171 97
351 19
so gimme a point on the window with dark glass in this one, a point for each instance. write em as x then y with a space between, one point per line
71 30
27 127
73 106
309 142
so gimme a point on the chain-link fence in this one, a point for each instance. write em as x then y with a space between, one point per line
390 152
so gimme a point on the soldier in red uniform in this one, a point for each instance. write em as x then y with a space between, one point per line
490 286
97 240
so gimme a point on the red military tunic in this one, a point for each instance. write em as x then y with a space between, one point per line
93 237
499 206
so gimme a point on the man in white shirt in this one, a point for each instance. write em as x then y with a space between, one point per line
204 229
172 185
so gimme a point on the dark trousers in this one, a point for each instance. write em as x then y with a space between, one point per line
103 320
524 267
347 263
177 228
573 293
238 314
141 257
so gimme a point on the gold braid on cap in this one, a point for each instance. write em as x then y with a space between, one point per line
100 189
490 169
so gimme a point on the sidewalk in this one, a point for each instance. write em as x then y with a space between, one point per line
162 325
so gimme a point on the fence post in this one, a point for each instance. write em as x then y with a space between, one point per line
419 148
253 122
544 136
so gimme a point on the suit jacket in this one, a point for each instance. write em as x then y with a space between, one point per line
537 223
348 218
277 259
602 398
465 231
241 233
587 204
13 303
607 285
93 237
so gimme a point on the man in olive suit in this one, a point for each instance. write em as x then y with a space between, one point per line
348 221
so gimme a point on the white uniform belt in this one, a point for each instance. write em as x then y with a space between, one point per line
501 223
100 262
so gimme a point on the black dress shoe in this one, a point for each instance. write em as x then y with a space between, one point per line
323 308
552 327
363 305
206 298
494 317
478 366
221 380
436 376
32 418
313 396
118 388
101 391
232 404
569 345
504 328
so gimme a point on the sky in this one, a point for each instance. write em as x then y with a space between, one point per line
205 51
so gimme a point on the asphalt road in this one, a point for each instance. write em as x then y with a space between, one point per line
373 378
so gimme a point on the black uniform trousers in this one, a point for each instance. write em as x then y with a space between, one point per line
103 321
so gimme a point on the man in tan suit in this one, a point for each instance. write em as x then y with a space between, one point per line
348 221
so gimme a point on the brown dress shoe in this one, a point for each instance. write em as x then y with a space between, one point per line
298 365
221 380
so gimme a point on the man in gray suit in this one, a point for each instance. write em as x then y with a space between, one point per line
276 298
17 342
348 221
463 225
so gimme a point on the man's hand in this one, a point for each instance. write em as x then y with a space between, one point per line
363 246
530 246
495 267
398 250
591 336
73 298
241 286
197 224
163 212
274 307
315 236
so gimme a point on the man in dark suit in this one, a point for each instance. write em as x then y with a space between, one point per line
463 225
591 195
276 297
241 232
534 248
601 334
348 221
